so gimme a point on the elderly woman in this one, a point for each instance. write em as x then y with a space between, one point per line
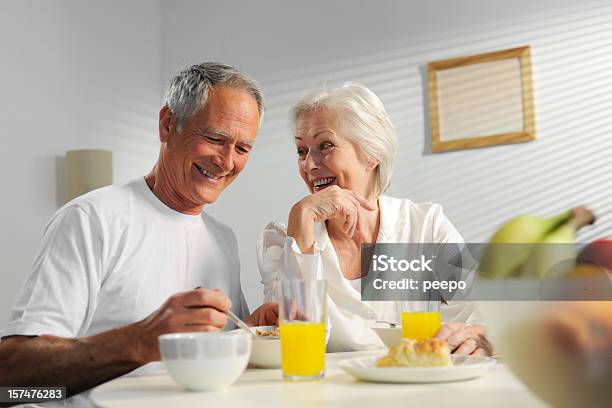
346 151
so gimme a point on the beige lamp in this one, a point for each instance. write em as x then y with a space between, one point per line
86 170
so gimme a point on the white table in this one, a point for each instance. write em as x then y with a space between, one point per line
266 388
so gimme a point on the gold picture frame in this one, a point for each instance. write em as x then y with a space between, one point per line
481 100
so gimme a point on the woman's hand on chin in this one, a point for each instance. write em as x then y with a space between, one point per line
331 203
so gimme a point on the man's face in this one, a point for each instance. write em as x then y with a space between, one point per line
212 147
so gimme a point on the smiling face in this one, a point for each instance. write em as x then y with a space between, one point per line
326 157
211 149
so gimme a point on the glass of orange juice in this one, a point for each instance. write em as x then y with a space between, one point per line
303 315
423 320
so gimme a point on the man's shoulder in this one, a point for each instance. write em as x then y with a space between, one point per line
107 203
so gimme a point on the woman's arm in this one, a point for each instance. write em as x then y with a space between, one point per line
462 336
301 227
333 202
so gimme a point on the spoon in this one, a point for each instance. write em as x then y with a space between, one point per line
246 327
391 324
240 323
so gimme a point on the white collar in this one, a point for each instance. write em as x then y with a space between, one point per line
388 222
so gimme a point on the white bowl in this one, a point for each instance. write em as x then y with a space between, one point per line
205 361
265 352
391 336
557 349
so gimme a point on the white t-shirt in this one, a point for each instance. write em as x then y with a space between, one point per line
113 256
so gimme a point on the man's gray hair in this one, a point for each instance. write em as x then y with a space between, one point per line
372 130
188 91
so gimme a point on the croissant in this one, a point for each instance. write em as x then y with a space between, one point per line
413 353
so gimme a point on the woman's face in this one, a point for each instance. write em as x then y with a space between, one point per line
326 157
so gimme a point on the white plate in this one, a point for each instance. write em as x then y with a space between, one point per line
463 368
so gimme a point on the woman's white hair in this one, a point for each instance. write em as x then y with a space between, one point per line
358 107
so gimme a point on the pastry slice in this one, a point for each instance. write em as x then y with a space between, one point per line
413 353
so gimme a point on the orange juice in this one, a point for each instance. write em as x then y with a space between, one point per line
420 325
302 348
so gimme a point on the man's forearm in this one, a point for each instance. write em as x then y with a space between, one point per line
77 364
82 363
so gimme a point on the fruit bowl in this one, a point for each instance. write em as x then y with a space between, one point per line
562 351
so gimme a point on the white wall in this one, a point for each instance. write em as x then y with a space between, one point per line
73 74
290 46
85 74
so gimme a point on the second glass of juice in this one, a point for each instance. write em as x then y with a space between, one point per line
422 321
303 315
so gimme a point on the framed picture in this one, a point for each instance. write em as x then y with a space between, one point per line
481 100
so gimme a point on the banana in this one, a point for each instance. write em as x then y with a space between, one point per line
528 229
500 260
532 246
556 254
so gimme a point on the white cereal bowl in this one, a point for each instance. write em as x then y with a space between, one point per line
391 336
265 352
205 361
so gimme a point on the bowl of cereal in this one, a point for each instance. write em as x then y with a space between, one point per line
266 348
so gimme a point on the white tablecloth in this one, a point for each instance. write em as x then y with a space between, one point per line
266 388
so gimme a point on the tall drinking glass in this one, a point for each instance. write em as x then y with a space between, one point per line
422 321
303 315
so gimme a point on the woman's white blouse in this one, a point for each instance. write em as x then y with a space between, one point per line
350 318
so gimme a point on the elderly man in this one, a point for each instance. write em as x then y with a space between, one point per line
118 266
